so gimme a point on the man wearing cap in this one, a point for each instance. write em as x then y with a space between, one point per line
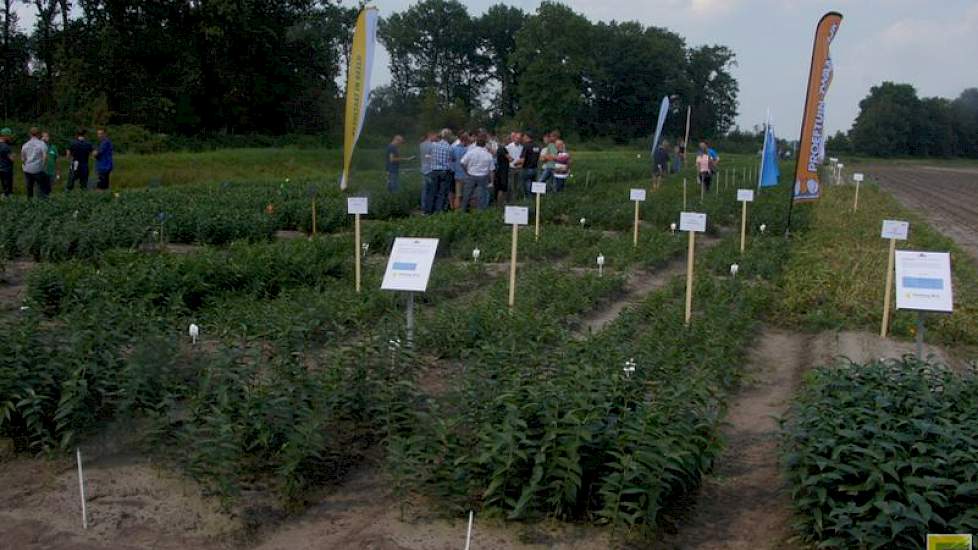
6 163
34 156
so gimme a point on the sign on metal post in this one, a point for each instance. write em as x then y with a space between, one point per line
408 270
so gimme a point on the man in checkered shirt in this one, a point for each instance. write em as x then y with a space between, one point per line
436 197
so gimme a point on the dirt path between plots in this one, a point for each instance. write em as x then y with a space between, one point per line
13 284
362 514
744 504
947 197
638 285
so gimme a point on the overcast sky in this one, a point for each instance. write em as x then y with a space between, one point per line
930 44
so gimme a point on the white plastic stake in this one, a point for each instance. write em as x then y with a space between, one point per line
600 264
468 536
194 332
81 489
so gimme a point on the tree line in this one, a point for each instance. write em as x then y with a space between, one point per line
182 66
894 122
194 67
552 68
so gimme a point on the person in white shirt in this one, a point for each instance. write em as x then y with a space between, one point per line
34 155
477 163
514 150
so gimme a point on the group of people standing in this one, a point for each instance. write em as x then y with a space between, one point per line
39 162
473 169
663 163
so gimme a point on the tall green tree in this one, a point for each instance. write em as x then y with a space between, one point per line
711 90
554 49
933 133
16 84
434 45
886 121
498 28
634 67
964 121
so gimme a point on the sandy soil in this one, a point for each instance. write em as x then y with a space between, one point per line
947 196
131 504
362 514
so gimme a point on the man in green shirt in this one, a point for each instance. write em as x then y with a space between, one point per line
548 156
51 167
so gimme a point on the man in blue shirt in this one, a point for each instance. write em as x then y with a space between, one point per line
436 199
458 172
103 160
392 163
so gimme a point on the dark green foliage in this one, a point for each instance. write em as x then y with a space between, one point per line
879 455
536 430
85 225
893 121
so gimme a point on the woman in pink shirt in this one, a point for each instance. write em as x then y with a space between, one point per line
704 165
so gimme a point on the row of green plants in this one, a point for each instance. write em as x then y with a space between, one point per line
297 375
85 225
612 429
878 455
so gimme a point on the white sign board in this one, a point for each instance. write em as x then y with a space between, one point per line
637 195
409 266
895 229
745 195
692 221
517 215
539 187
923 281
841 165
833 160
356 205
857 177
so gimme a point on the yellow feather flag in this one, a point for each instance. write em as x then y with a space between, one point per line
358 85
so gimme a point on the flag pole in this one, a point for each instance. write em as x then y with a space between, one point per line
689 111
801 134
767 131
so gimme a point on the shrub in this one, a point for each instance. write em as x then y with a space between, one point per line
879 455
